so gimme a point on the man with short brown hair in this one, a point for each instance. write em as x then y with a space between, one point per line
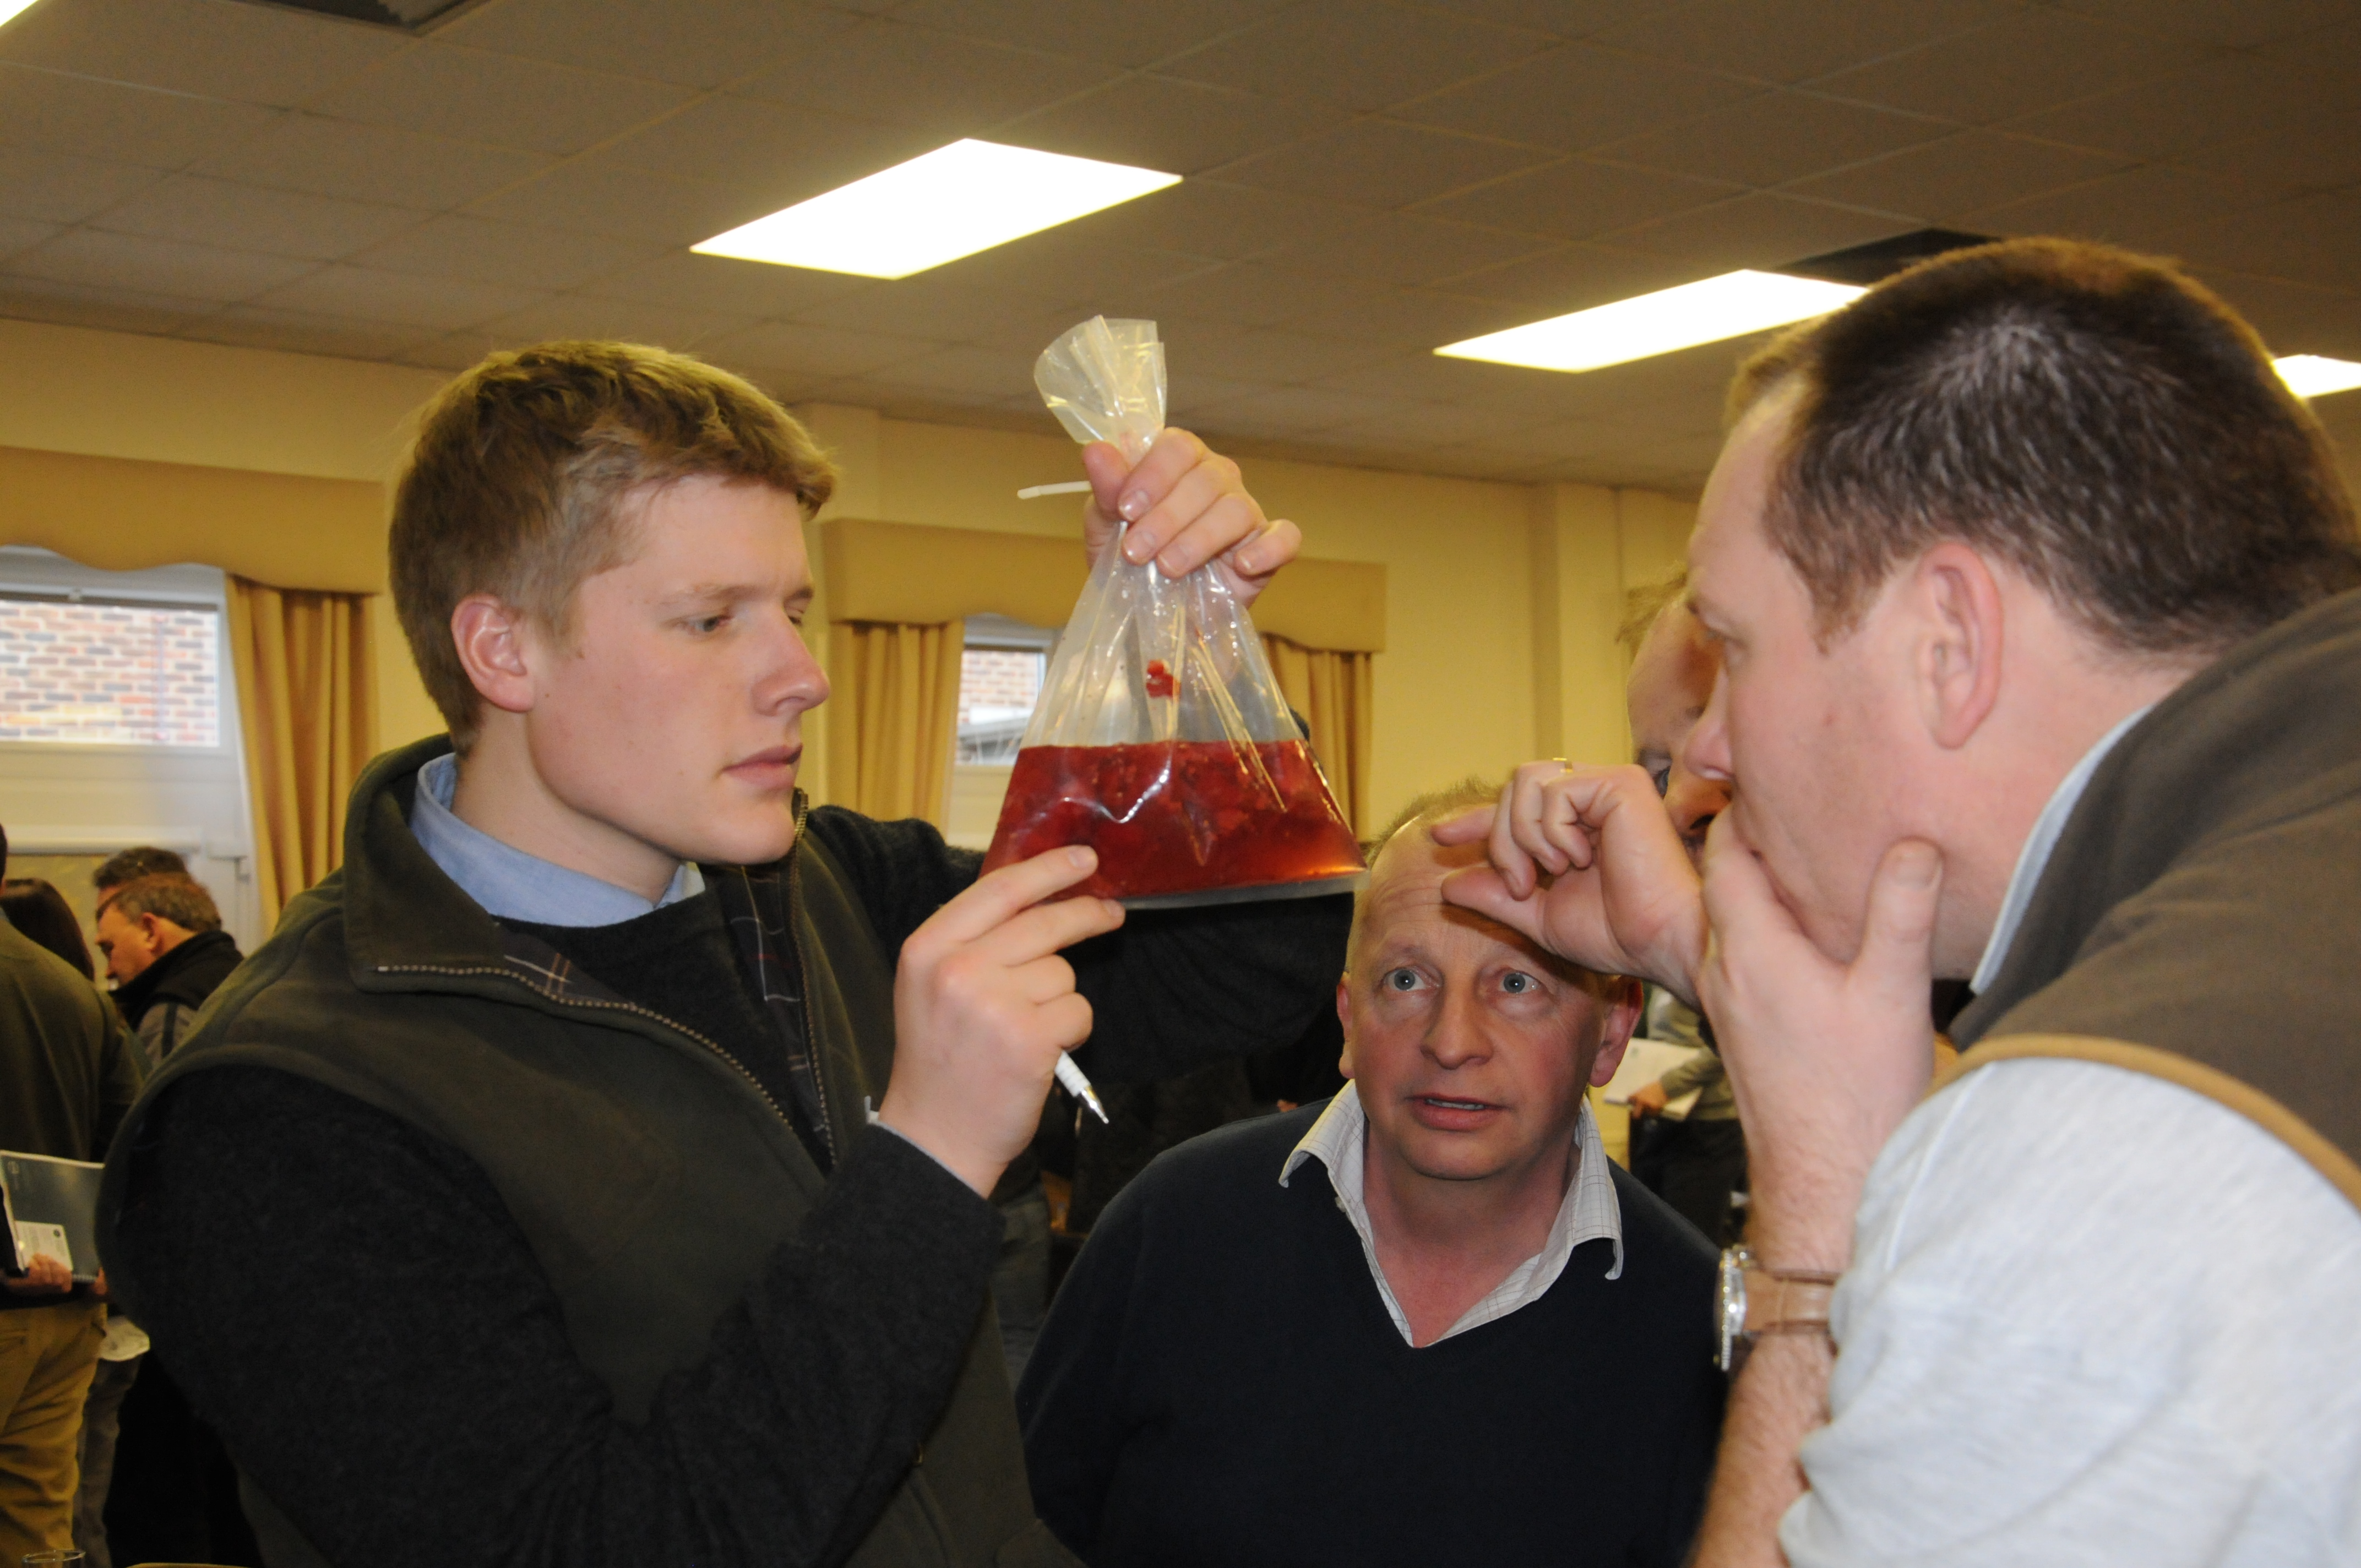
2035 588
163 943
594 1169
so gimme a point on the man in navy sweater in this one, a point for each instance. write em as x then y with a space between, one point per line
1426 1322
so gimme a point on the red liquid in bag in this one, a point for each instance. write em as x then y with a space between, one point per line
1177 816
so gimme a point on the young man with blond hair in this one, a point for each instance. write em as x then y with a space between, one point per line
521 1202
1424 1322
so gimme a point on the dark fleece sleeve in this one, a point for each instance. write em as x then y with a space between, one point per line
1071 1400
412 1397
1173 990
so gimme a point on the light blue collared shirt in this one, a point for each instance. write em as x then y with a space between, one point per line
2034 859
513 885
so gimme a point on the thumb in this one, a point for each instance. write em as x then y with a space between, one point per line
1897 942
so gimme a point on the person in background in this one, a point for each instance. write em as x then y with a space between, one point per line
1426 1322
1697 1163
166 951
67 1075
38 910
2039 597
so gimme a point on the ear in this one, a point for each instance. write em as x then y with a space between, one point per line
1961 632
1345 1017
1619 1015
491 639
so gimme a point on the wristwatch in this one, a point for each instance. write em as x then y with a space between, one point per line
1759 1300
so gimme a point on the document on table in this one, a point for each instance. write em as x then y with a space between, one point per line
1644 1061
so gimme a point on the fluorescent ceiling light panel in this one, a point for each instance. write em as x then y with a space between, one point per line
2311 375
1706 312
8 9
947 204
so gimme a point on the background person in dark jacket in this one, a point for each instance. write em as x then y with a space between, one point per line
67 1073
168 953
578 1176
1426 1323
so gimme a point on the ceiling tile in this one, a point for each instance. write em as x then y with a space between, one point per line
2282 240
1776 138
1794 41
300 332
458 245
371 163
2293 318
2324 155
776 154
1179 127
586 315
1493 395
23 234
1259 354
476 95
1581 96
166 266
1757 230
1573 279
2033 60
1382 164
962 371
702 46
2244 98
1967 173
722 283
929 305
106 308
950 86
1415 425
597 195
1251 294
1402 250
1560 18
1192 394
456 351
1575 198
1408 318
1215 217
57 187
1067 264
1293 411
1362 54
1118 32
253 217
369 294
133 124
814 350
2147 207
2234 24
2337 45
251 54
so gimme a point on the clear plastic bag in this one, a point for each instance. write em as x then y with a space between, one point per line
1160 738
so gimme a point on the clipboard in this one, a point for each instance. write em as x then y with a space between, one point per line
49 1206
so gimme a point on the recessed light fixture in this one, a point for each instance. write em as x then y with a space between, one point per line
938 207
2312 376
10 9
1705 312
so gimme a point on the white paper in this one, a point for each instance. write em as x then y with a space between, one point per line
1644 1061
42 1240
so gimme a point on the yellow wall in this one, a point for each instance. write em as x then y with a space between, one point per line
1502 599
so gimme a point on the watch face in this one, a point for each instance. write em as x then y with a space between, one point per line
1734 1263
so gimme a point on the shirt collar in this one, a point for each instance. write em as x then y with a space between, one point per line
1338 1140
513 885
2034 859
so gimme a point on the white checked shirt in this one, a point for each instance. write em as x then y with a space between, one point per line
1338 1140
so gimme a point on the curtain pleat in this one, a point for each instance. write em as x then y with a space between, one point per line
307 693
1335 693
896 692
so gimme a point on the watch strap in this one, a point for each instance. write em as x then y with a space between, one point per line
1787 1301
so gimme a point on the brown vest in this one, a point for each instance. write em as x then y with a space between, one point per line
2200 919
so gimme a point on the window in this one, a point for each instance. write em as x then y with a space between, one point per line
108 672
1001 671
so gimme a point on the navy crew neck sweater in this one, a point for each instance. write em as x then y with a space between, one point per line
1219 1382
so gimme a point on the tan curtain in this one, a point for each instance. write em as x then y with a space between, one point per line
893 717
307 693
1334 694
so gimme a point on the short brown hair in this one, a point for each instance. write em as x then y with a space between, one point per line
130 865
182 900
528 467
1645 605
2097 420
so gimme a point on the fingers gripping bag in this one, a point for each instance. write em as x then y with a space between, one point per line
1161 738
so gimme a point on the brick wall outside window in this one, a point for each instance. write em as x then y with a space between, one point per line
109 674
998 677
